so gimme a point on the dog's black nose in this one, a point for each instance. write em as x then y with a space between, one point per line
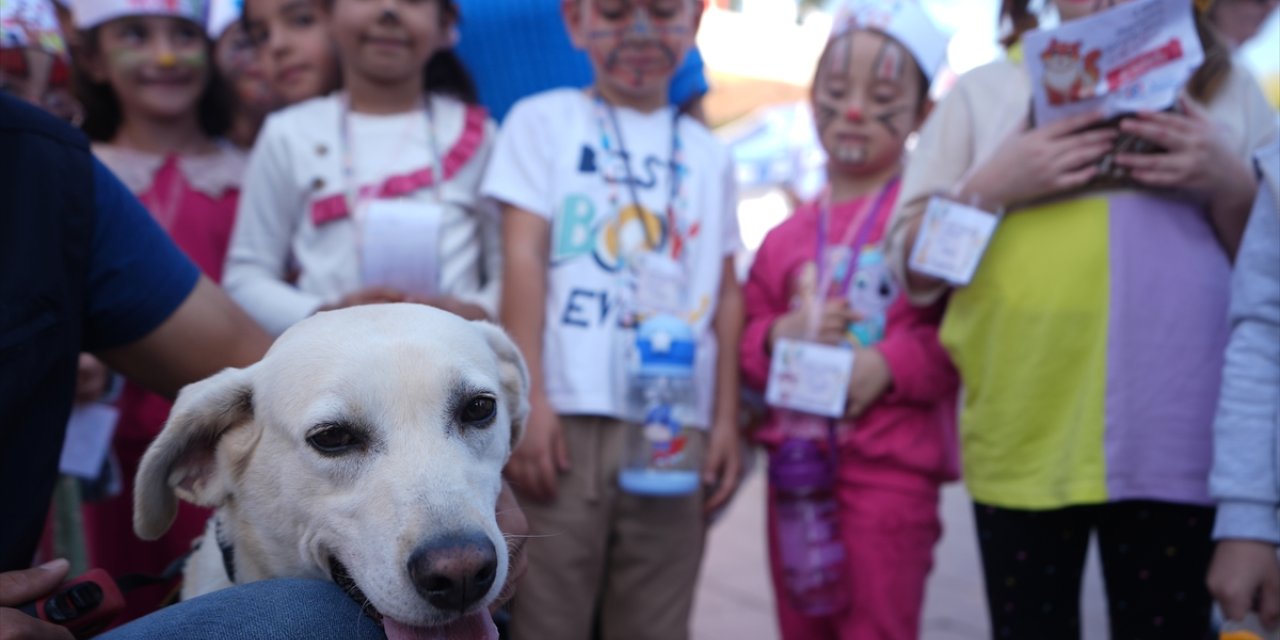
454 571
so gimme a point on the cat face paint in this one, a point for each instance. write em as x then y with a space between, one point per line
635 46
158 66
865 100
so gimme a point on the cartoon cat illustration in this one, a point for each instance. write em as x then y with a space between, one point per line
1069 77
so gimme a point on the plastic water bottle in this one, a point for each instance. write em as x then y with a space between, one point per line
808 529
656 457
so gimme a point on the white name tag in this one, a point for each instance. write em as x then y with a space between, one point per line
400 246
809 377
951 241
660 285
88 439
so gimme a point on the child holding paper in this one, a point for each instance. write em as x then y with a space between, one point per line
152 105
1089 342
370 194
896 440
599 186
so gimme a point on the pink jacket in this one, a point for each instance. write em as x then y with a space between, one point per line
907 438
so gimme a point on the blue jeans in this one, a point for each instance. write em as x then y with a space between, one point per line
280 608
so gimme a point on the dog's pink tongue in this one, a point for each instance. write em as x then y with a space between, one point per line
477 626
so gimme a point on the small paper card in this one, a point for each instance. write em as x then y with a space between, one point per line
660 285
951 241
400 246
809 377
88 439
1132 57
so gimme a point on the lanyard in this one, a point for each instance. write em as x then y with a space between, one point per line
675 165
861 223
355 195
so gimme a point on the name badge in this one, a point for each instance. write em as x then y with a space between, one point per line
659 285
400 246
809 377
951 241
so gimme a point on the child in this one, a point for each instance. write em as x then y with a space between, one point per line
1245 575
151 107
295 48
595 184
34 61
251 96
896 445
1090 341
339 187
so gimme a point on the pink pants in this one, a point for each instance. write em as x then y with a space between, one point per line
889 537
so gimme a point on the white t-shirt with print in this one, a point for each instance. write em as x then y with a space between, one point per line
551 161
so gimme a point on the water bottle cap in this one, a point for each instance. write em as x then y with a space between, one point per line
666 347
799 464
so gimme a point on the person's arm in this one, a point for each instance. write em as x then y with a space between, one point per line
270 211
919 366
1245 479
721 474
541 454
206 334
764 300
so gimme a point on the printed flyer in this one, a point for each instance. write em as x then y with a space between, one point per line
1132 57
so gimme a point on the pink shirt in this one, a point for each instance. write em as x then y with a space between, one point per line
907 438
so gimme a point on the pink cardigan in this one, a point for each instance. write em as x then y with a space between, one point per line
905 440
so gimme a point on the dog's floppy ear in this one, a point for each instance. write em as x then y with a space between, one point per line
515 375
182 461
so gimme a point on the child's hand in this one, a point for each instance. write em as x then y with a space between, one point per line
1242 571
541 455
367 295
1034 163
1196 156
723 464
453 305
871 378
832 323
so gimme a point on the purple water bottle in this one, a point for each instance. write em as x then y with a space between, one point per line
808 530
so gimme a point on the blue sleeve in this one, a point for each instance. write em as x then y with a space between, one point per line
137 276
690 80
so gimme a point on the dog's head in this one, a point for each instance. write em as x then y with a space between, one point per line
366 447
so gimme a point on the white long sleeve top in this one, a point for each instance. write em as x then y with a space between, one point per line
295 244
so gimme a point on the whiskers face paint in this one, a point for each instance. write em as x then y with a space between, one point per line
636 44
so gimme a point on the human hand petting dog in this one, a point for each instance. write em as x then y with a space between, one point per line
19 587
541 456
367 295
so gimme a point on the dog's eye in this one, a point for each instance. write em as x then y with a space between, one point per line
334 440
478 410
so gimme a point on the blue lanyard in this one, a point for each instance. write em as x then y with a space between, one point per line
870 215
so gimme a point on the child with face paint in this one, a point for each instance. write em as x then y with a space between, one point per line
154 114
604 190
1090 341
250 94
327 173
294 47
820 276
35 64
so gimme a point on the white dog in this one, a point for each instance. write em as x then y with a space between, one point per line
365 448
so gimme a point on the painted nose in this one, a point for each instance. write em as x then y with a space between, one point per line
853 114
454 571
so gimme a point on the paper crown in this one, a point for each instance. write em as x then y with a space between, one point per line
91 13
30 24
902 20
222 14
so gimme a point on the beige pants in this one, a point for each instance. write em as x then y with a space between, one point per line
600 554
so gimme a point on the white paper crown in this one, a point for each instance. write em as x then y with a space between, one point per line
91 13
222 14
30 24
902 20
